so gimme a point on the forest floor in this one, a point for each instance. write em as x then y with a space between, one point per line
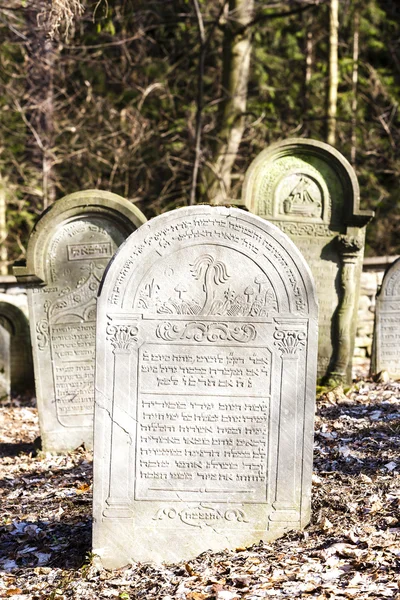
351 549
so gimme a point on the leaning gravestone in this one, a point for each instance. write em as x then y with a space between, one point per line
16 369
205 385
386 356
68 251
310 191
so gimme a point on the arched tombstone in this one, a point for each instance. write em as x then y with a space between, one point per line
16 370
206 351
68 251
310 191
386 352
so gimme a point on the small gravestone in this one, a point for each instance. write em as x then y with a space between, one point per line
310 191
16 369
387 323
68 251
205 386
5 380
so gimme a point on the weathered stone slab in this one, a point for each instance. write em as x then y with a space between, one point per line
68 251
387 323
16 370
205 385
310 191
5 378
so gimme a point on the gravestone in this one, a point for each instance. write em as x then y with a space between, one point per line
16 370
68 251
386 355
205 386
5 379
310 191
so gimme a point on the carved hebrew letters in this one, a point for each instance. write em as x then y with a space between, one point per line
386 355
67 255
206 359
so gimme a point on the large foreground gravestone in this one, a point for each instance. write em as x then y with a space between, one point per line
16 370
205 385
310 191
386 355
68 251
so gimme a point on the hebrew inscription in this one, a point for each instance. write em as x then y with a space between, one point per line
195 413
204 404
387 323
67 255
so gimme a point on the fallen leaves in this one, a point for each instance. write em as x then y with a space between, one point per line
350 550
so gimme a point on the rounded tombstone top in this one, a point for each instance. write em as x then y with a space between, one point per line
92 204
391 282
209 261
304 179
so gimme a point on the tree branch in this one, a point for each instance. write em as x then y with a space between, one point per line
265 17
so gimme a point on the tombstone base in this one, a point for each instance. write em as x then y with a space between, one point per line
58 442
125 541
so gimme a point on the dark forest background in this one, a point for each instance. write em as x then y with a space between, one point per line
166 102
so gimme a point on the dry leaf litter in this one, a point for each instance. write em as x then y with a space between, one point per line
350 550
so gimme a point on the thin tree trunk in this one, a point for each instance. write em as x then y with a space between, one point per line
333 71
200 100
356 36
308 50
236 69
3 228
309 57
40 109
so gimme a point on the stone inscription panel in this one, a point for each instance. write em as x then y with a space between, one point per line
390 340
73 366
388 322
202 419
83 251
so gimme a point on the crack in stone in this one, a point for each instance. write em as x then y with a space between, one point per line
113 421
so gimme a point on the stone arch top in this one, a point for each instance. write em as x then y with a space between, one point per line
304 179
91 204
15 318
391 282
183 263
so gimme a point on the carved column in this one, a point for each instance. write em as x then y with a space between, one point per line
123 338
350 248
290 343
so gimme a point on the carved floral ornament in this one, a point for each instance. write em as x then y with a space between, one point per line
122 336
211 332
289 342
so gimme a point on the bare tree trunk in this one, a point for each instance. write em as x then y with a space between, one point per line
309 58
200 100
236 69
40 109
333 71
3 228
356 36
308 51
